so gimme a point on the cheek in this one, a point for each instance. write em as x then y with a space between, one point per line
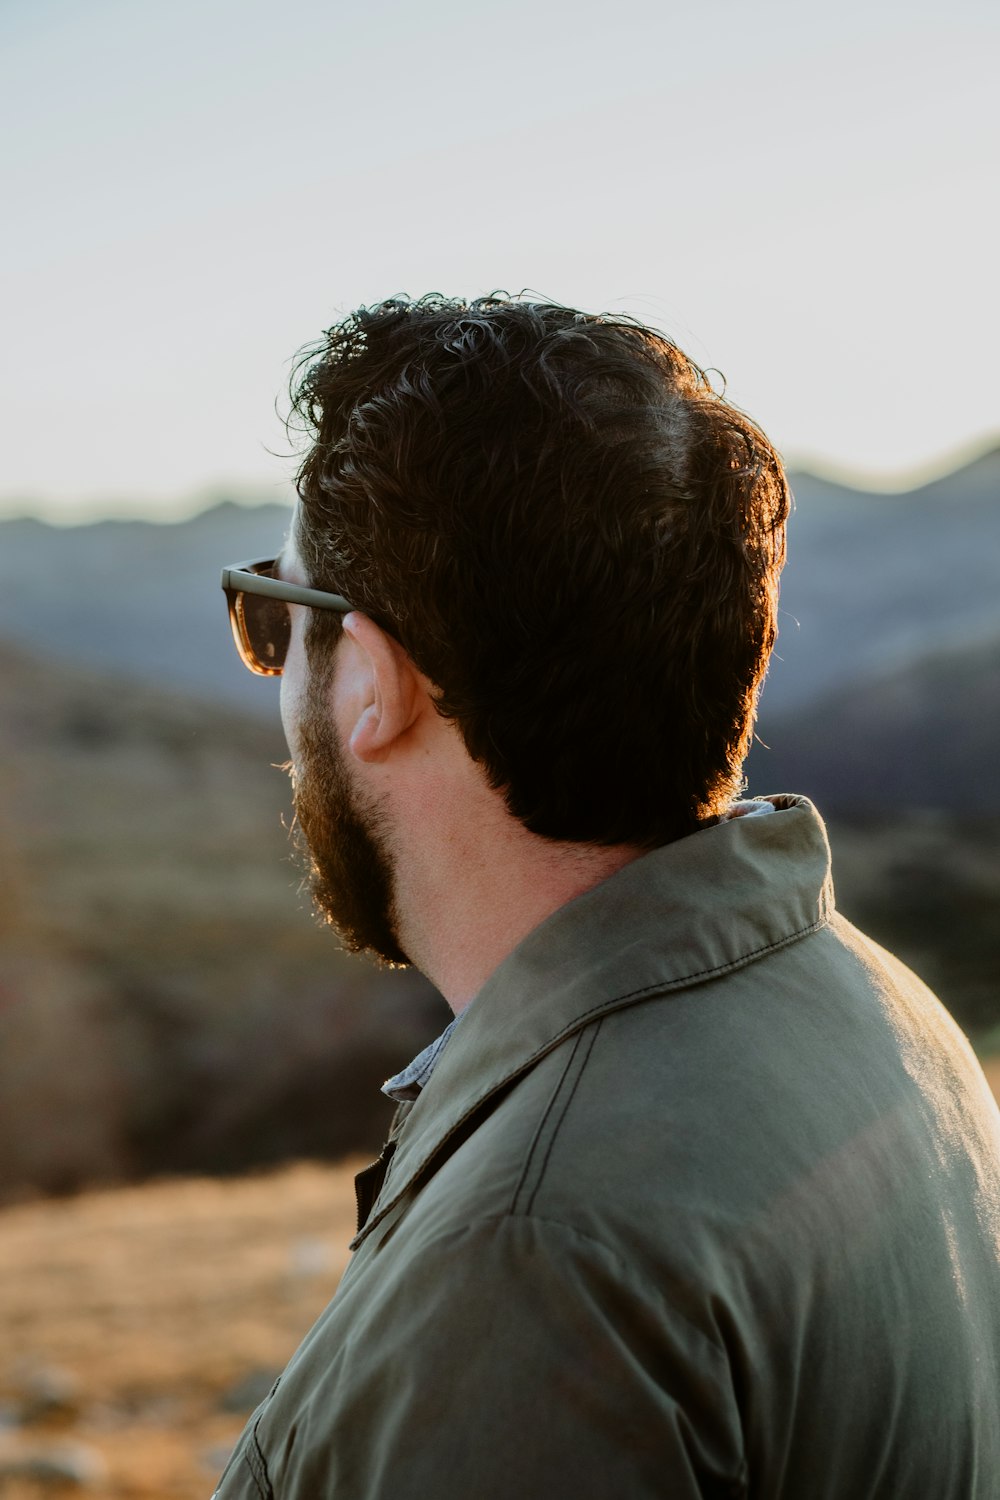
290 713
293 688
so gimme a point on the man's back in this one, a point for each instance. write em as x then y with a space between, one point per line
702 1199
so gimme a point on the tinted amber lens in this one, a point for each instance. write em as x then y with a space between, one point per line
264 629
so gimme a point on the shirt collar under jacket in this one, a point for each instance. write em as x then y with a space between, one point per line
671 920
404 1087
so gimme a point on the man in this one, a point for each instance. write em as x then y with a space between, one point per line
699 1195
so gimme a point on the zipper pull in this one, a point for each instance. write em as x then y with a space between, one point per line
368 1183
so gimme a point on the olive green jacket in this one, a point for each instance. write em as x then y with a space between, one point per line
702 1199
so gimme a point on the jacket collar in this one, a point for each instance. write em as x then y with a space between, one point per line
679 916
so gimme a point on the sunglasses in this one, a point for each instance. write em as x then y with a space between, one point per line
258 612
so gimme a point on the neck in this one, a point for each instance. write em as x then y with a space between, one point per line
466 896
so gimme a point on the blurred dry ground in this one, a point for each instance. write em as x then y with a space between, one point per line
142 1325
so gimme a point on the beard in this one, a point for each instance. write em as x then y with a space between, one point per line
341 842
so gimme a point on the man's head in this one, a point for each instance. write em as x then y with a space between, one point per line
571 535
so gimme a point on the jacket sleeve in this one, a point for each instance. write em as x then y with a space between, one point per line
517 1358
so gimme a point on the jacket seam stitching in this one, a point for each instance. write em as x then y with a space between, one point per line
629 1274
565 1109
624 1266
542 1124
257 1464
663 987
667 987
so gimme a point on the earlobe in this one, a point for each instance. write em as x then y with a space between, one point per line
364 742
387 689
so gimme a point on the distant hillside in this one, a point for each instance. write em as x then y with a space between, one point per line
140 598
167 1001
926 734
873 582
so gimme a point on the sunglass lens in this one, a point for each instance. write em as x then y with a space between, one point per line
266 629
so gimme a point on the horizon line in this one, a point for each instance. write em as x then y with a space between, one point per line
254 494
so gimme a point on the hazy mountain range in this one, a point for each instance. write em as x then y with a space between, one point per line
884 684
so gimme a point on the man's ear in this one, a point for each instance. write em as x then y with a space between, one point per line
384 688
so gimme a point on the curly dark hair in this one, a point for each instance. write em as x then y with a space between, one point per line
571 534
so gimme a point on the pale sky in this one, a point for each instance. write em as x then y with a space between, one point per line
804 197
